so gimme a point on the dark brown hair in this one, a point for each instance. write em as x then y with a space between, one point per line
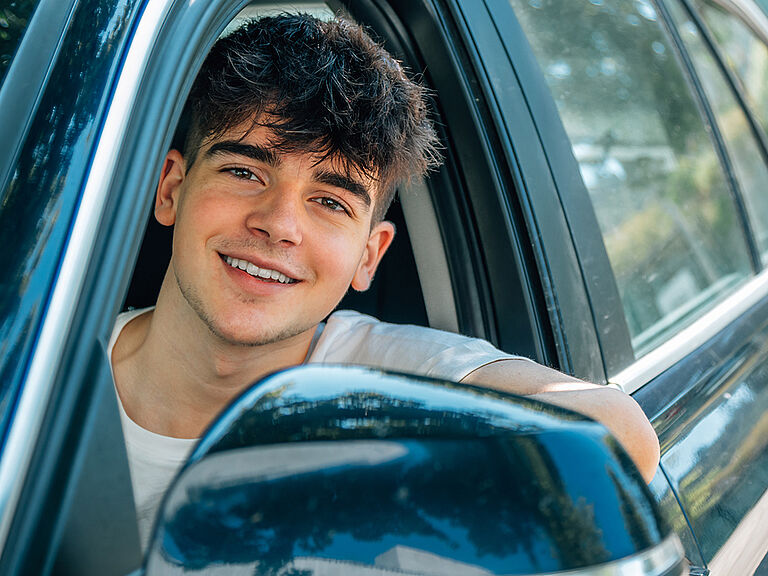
323 87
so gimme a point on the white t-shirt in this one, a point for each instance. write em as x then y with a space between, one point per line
346 338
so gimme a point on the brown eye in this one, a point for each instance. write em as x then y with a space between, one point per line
331 204
243 174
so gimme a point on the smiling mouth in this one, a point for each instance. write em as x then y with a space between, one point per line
260 273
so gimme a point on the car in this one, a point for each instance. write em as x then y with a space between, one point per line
601 209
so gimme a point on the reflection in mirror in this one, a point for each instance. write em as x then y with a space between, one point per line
324 470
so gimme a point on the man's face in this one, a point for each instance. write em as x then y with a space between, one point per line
266 244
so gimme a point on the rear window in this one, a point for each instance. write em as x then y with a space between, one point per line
661 196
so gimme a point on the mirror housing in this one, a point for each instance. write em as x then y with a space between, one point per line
336 470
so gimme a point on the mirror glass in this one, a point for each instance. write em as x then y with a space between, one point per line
325 470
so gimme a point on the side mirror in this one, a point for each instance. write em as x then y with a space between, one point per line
331 471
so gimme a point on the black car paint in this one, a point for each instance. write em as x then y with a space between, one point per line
511 189
398 460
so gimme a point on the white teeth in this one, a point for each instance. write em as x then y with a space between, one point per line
254 270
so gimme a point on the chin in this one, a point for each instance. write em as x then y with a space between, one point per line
241 332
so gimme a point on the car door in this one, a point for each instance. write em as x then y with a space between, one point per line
658 192
54 95
76 191
88 105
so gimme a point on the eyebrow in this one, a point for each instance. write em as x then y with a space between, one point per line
345 183
268 156
252 151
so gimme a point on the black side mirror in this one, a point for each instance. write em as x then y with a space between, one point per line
328 470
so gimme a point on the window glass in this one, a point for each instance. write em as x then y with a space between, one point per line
662 201
37 204
743 148
745 53
14 18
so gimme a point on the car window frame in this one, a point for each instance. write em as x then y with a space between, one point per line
537 143
27 76
105 231
738 9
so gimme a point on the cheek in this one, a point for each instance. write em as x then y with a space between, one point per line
339 255
205 211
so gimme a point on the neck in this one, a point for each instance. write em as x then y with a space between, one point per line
174 375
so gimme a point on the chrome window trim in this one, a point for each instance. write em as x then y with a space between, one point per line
656 561
33 401
749 13
690 338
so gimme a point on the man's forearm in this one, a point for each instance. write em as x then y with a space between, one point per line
615 410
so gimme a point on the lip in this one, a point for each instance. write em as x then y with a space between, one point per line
261 264
253 286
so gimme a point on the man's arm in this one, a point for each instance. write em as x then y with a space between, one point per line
615 410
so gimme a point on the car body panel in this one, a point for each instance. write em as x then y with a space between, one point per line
338 440
527 272
710 415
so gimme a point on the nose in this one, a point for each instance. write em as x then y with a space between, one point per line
277 216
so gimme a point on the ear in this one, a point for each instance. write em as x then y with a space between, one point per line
379 240
168 189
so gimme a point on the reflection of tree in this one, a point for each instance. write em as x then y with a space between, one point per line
363 415
579 540
620 88
481 490
14 18
474 487
37 204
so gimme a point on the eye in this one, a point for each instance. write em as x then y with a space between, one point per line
243 174
331 204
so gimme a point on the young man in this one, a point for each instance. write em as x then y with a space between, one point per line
297 132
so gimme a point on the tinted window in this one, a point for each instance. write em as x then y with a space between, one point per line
662 201
14 18
37 204
743 148
746 54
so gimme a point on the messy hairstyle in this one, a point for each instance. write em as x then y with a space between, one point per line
323 87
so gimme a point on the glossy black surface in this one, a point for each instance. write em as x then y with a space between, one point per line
349 464
14 19
37 205
672 512
714 435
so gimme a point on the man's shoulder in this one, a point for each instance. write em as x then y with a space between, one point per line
353 338
353 325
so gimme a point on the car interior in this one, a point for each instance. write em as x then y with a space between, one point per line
413 285
394 296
